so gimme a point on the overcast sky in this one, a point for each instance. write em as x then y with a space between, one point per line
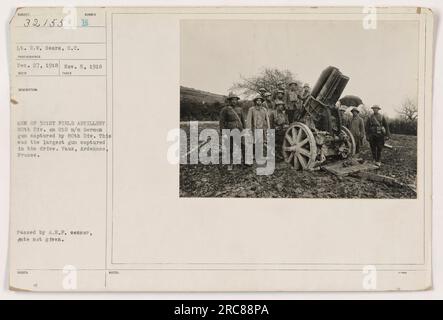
382 64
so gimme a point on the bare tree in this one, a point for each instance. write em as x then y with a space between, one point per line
408 111
268 79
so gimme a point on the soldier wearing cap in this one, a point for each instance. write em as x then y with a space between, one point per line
306 92
278 117
281 87
258 118
278 120
357 128
293 103
232 117
280 95
262 92
258 115
377 131
268 103
342 111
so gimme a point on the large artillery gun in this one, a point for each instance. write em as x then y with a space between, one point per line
319 133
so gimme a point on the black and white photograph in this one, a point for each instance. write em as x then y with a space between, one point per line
299 108
234 151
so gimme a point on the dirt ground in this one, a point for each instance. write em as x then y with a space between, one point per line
399 163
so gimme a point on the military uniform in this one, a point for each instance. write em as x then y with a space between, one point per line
280 89
263 92
278 120
231 117
277 116
268 103
344 120
294 105
377 130
271 116
291 104
306 93
280 95
357 128
258 118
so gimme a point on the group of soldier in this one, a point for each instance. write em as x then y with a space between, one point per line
275 110
375 130
270 109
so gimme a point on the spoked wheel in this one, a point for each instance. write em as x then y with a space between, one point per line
299 146
350 143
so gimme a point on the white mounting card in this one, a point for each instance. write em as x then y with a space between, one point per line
122 178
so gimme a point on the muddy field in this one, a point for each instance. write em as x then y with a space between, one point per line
400 164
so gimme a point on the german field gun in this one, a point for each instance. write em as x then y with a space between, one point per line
319 133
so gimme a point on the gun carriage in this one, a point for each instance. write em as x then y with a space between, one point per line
319 133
